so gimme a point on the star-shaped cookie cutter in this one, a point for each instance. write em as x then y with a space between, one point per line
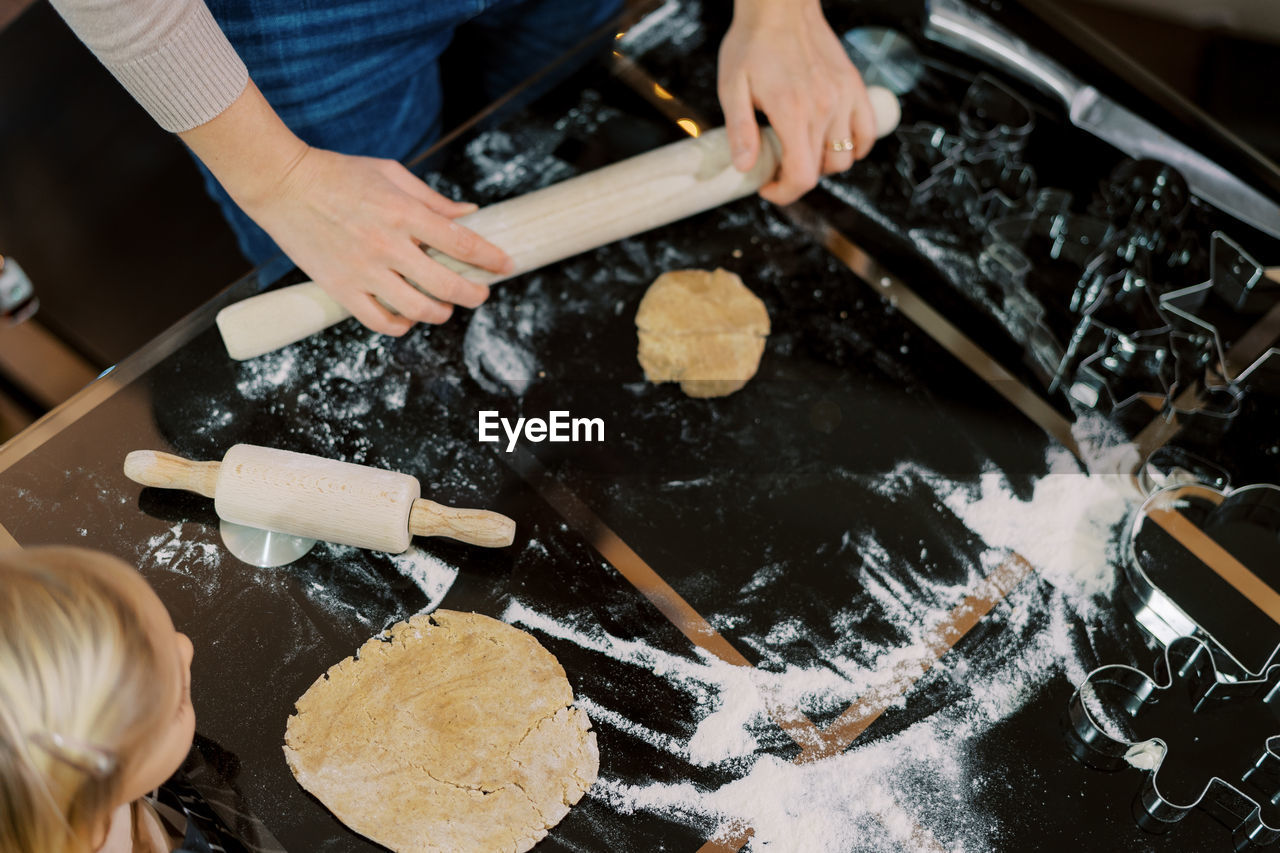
1241 282
1196 358
1124 370
1120 366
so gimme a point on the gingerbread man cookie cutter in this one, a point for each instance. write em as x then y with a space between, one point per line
1203 741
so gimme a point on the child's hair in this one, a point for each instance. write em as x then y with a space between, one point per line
77 692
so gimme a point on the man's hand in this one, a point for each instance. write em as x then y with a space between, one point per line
782 58
356 225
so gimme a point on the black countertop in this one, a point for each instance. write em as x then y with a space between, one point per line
822 525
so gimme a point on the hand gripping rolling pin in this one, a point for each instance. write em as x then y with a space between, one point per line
551 224
317 498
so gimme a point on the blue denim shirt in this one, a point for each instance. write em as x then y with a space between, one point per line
363 76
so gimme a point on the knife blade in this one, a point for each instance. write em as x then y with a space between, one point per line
959 27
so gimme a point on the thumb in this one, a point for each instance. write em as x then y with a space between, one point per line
740 123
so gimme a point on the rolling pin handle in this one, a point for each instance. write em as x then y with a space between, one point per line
166 471
473 526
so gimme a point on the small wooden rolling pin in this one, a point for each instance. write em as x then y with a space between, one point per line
318 498
551 224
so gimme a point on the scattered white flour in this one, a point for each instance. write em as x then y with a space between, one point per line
836 804
1069 531
432 575
601 714
676 24
1103 446
495 356
512 162
859 798
193 551
337 380
189 556
262 376
913 788
1100 714
725 733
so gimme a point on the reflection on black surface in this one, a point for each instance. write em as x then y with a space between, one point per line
819 477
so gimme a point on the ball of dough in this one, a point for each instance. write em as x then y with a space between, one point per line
703 329
449 732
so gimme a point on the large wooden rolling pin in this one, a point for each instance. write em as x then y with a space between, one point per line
551 224
318 498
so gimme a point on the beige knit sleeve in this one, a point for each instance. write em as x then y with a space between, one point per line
169 54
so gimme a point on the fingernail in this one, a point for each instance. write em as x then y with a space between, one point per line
741 159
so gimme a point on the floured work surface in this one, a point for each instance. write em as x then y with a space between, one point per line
448 732
833 520
827 519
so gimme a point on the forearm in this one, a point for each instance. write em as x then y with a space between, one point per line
247 148
169 54
776 7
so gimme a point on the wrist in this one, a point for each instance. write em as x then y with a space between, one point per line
248 149
775 10
267 173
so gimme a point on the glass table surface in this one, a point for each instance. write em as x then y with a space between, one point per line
843 608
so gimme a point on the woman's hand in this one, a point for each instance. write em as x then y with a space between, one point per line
782 58
356 225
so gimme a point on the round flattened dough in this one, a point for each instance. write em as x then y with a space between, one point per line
449 732
703 329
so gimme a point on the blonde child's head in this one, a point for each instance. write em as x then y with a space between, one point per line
95 706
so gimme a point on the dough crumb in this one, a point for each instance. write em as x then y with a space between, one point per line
1146 755
703 329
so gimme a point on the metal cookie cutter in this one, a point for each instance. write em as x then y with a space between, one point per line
1201 576
1204 742
1171 465
1049 241
1032 256
1204 562
978 176
1180 347
993 116
1148 198
1237 279
1125 369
